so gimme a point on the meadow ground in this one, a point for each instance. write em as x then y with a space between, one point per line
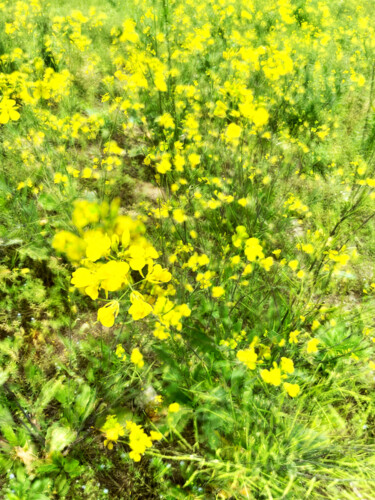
187 242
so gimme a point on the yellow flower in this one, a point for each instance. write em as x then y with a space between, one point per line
267 263
98 245
108 313
156 435
253 249
139 308
272 376
293 336
112 431
179 216
157 274
292 389
217 291
315 325
8 110
139 441
308 248
312 346
248 357
287 365
293 264
84 278
113 275
137 358
243 202
173 408
260 117
120 352
233 132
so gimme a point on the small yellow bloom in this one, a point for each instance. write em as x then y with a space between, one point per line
108 313
120 352
287 365
112 431
293 336
173 408
217 291
267 263
272 376
293 264
157 274
292 389
137 358
139 308
233 132
248 357
179 216
312 346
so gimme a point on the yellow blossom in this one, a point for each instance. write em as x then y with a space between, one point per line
272 376
139 308
217 291
248 357
312 346
108 313
137 358
292 389
173 408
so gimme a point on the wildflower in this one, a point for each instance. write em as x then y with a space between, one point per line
108 313
120 352
312 346
272 376
139 308
217 291
233 132
137 358
173 408
260 117
155 435
267 263
243 202
179 216
293 336
253 249
292 389
315 325
248 357
112 430
139 441
8 110
308 248
293 264
98 245
287 365
84 278
157 274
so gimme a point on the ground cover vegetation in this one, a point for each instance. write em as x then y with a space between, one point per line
187 242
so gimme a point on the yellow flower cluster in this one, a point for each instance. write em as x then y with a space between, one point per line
113 254
276 374
139 441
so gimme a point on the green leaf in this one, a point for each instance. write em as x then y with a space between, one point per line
48 202
59 437
85 402
48 393
34 252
